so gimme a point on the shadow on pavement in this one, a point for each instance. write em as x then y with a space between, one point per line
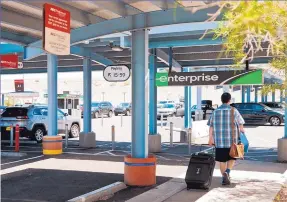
195 194
60 185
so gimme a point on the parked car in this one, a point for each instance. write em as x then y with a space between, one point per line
99 109
274 105
256 113
33 122
166 110
206 105
123 108
2 108
166 102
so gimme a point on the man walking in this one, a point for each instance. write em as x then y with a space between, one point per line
220 135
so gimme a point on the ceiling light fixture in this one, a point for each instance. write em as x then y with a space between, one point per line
115 47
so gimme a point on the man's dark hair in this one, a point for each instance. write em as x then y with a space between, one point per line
225 98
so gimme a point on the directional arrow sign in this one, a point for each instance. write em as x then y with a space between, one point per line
115 73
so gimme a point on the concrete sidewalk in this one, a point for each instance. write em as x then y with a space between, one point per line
251 181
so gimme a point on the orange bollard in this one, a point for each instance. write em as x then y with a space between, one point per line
140 171
17 135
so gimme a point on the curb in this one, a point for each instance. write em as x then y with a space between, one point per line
13 154
161 192
99 194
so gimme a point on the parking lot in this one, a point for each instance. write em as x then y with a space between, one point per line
263 140
81 170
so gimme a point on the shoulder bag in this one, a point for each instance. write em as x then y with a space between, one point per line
236 150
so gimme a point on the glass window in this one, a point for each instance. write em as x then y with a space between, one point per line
37 112
169 106
257 107
15 111
95 104
124 104
248 106
44 112
194 107
239 106
60 113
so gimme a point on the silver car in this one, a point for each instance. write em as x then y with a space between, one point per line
33 122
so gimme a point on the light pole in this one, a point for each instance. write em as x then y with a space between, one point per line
124 96
103 96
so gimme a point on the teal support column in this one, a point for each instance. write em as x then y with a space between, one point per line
152 93
243 94
248 89
199 97
266 98
52 66
262 97
87 95
139 93
273 96
281 96
187 106
256 95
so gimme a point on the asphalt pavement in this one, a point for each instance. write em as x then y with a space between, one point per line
35 177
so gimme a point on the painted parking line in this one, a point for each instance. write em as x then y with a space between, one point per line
22 160
260 156
261 152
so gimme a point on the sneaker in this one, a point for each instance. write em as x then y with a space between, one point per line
226 179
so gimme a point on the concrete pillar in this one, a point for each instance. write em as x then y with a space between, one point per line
140 94
87 137
87 95
199 97
187 106
266 98
273 96
262 97
52 66
282 143
248 88
243 94
154 137
256 95
3 99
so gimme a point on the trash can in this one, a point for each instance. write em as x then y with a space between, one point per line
183 136
208 114
198 115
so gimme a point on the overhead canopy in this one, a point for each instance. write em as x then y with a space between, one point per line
100 26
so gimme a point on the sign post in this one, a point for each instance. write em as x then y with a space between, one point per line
56 32
19 85
9 61
118 73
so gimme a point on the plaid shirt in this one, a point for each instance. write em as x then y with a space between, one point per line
222 130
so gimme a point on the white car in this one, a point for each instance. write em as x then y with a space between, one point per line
166 110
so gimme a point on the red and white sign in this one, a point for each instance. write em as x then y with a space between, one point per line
9 61
19 85
56 32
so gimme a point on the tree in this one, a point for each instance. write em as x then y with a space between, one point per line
251 27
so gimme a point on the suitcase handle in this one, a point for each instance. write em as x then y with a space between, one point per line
212 147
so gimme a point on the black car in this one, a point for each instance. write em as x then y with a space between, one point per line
99 109
123 108
257 113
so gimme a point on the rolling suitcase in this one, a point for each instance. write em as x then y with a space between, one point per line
200 170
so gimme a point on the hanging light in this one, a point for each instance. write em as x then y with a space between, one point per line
115 47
